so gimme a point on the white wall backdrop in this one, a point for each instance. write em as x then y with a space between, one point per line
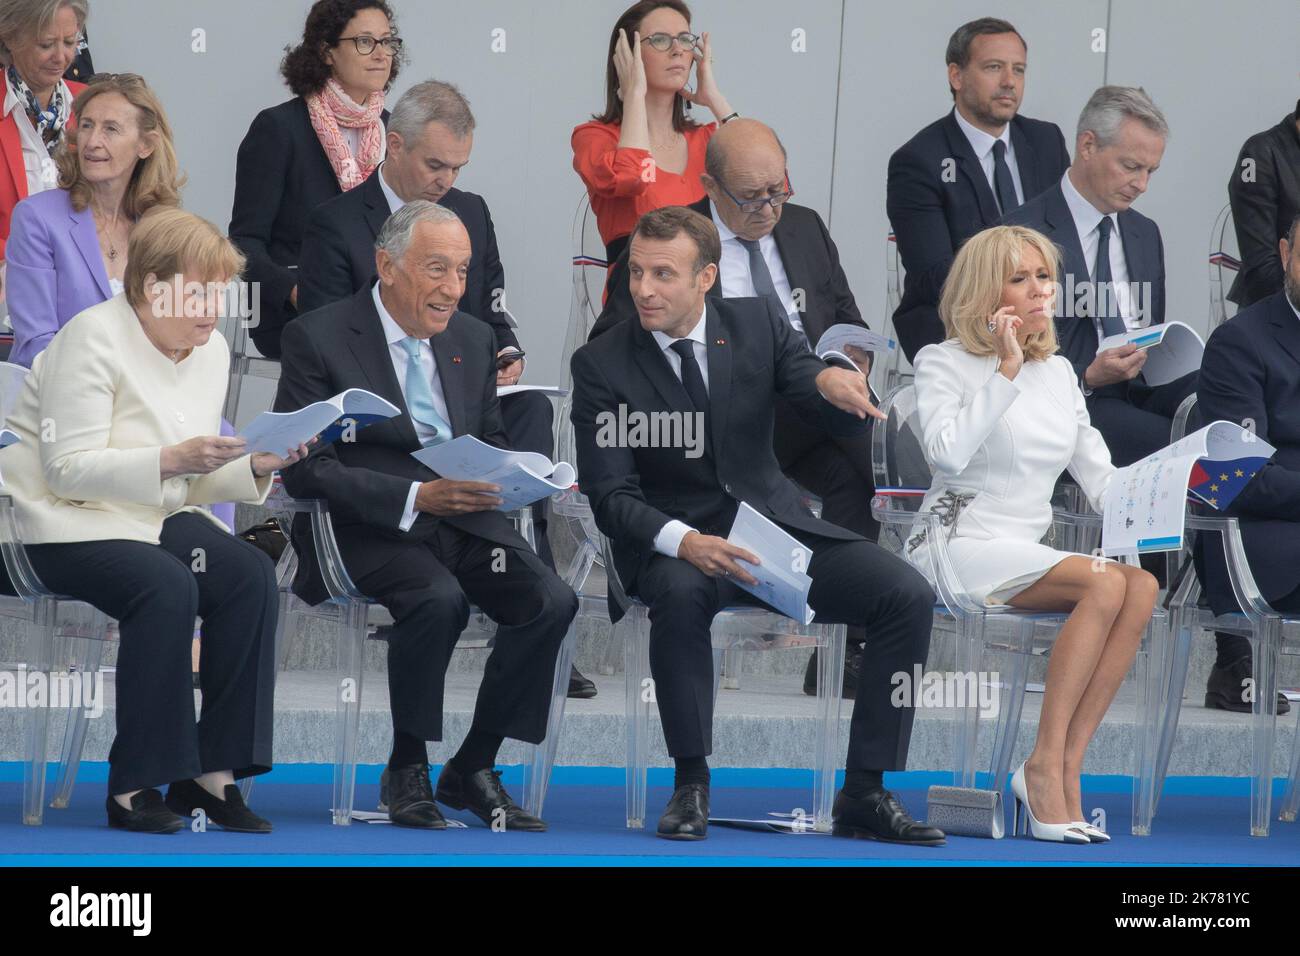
1219 72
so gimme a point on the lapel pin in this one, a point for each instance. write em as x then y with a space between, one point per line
455 360
721 342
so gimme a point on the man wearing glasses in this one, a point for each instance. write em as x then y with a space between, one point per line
775 249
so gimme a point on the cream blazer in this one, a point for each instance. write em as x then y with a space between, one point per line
100 404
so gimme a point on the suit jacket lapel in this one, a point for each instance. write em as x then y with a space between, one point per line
371 351
377 211
654 364
12 146
970 167
1287 324
718 350
447 356
1140 268
1062 231
1026 162
83 234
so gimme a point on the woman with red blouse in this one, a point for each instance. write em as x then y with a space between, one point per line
643 152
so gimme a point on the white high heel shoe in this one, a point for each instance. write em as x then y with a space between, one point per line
1093 833
1051 832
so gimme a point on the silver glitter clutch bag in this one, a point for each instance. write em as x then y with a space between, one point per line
965 811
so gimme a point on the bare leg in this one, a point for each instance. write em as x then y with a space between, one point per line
1094 597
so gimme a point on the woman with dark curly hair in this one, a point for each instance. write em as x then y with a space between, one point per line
321 143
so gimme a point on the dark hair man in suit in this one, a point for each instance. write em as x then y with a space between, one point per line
422 546
667 508
1264 192
963 172
1112 267
429 139
1250 373
774 248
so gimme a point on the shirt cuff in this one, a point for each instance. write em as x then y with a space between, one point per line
669 538
410 514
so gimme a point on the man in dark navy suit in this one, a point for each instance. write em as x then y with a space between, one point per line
668 506
964 172
1112 268
1251 373
422 546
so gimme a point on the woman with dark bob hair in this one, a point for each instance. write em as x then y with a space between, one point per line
321 143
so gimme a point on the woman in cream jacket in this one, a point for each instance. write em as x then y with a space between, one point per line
1001 417
119 455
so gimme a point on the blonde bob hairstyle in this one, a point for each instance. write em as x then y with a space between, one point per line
168 242
156 180
973 290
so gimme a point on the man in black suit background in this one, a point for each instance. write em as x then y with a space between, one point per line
1251 373
1120 142
962 173
667 510
774 248
1264 192
422 546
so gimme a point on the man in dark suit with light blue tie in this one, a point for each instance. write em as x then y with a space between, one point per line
965 171
1251 373
1112 268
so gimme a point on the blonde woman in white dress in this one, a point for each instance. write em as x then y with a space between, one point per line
1001 417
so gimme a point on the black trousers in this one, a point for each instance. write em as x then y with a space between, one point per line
155 592
529 422
854 582
1135 418
429 589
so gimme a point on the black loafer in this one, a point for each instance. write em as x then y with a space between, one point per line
481 794
580 687
186 796
687 815
852 667
1226 688
879 816
148 814
407 795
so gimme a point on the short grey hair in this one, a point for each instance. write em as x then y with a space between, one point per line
20 19
395 237
1107 108
432 101
715 155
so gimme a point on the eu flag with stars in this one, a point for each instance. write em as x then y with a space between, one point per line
1218 483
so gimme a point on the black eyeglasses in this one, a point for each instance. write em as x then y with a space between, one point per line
366 44
663 42
751 206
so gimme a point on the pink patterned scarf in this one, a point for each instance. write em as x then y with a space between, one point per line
331 108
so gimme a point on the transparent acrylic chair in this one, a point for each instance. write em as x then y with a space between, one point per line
51 622
986 634
894 369
1224 263
245 361
744 626
354 617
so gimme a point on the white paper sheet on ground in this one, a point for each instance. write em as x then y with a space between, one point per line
1173 350
1146 502
524 476
504 390
381 816
783 581
779 823
342 414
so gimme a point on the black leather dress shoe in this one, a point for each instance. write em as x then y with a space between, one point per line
407 795
879 816
148 814
580 688
185 796
687 815
481 794
1226 688
852 667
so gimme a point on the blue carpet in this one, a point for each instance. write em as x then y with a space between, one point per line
1201 822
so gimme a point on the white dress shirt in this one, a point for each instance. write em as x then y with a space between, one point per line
400 358
982 143
1087 220
669 538
734 269
37 162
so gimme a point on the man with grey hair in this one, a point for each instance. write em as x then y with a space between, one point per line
422 546
429 139
1112 267
963 172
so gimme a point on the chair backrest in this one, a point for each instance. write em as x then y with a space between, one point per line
893 274
897 448
1224 262
1182 418
589 272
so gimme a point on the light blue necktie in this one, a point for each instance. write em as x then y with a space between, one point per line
419 395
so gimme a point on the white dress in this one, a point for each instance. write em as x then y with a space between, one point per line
996 448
